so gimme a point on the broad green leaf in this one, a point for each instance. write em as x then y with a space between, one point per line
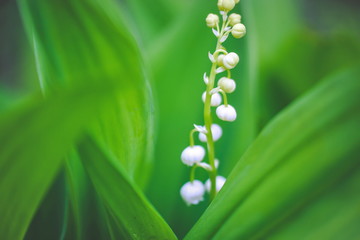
34 140
301 156
133 214
88 42
53 211
83 223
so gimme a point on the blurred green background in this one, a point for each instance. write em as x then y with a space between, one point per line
290 48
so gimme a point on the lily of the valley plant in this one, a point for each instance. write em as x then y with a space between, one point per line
215 96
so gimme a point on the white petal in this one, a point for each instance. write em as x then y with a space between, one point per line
216 131
215 99
206 79
223 38
216 33
217 162
227 29
205 166
220 181
211 57
220 70
200 129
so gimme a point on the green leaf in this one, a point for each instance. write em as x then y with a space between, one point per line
84 42
34 140
135 217
300 157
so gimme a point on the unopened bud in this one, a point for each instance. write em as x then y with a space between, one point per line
227 85
212 20
230 60
234 18
238 31
226 5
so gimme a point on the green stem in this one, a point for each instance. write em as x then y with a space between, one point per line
192 137
208 120
192 173
225 97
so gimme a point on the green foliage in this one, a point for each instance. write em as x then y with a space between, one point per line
41 133
301 166
133 215
85 146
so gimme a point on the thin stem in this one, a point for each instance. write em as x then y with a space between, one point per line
192 137
225 97
192 173
208 119
228 73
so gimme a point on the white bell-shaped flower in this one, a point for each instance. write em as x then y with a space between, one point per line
228 85
215 99
238 30
192 192
230 60
192 154
234 18
226 113
220 181
226 5
216 133
212 20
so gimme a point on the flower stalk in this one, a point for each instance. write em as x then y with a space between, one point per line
222 61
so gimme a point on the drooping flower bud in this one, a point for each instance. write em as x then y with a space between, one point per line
226 113
215 99
230 60
239 30
220 181
212 20
192 155
228 85
234 18
192 192
216 133
219 60
226 5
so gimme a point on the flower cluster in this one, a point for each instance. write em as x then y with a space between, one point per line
222 62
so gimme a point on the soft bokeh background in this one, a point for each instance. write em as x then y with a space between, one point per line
290 47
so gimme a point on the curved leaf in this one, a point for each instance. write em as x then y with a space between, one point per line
300 156
87 42
34 140
133 214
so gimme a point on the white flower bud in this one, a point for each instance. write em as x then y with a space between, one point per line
226 5
216 133
192 192
219 59
220 181
227 85
234 18
237 1
212 20
226 113
215 99
239 30
230 60
192 154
